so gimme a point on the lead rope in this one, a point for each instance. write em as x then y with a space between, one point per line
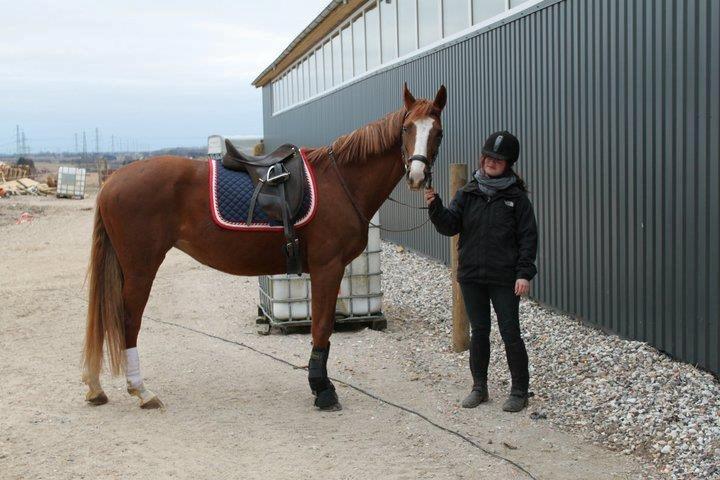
331 154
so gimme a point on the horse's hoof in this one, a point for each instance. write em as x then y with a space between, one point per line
96 398
148 399
154 402
327 401
336 407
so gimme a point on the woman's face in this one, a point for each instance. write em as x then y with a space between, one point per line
492 166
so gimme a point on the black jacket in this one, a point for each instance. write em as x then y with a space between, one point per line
498 234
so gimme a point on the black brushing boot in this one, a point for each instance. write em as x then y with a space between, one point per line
518 362
320 384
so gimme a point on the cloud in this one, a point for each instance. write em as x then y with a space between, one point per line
74 64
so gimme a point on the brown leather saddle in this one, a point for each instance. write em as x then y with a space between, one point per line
279 183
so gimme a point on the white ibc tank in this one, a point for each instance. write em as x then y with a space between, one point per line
288 297
71 182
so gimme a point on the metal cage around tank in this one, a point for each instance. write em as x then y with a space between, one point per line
285 301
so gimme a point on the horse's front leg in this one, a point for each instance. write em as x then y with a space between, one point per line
325 284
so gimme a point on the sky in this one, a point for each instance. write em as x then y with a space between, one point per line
152 73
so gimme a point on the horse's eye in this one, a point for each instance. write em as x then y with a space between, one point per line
404 129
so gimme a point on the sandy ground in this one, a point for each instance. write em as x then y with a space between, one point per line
230 412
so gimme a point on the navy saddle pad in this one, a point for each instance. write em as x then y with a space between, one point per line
231 191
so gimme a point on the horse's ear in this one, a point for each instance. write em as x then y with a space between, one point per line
441 97
408 97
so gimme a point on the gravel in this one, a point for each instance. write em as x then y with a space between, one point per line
622 394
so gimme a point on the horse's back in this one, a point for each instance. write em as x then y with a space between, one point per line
152 183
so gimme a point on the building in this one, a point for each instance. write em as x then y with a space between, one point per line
616 104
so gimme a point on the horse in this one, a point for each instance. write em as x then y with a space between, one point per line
150 206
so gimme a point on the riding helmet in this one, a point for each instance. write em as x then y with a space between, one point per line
502 145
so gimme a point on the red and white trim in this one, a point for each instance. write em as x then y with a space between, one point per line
260 227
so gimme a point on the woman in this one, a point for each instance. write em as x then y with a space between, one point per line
497 249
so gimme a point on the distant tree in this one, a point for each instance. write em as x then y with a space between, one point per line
24 161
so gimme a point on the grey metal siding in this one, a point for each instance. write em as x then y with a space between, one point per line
617 107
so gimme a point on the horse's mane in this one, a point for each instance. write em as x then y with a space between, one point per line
373 139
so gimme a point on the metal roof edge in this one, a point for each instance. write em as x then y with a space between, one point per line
334 4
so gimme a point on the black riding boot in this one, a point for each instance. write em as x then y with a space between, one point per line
320 384
517 359
479 361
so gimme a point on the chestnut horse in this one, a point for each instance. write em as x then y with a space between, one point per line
150 206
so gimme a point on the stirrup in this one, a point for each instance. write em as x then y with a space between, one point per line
271 178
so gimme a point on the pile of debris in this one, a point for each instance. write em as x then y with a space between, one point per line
14 180
25 186
13 172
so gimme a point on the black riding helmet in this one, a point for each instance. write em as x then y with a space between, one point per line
503 146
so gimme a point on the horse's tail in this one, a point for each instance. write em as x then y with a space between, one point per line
105 318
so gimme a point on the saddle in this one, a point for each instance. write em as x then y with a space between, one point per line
279 185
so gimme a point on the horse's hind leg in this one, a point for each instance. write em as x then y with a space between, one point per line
136 290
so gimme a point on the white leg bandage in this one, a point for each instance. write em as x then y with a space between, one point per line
132 368
135 381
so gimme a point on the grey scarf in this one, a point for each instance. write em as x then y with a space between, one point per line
491 185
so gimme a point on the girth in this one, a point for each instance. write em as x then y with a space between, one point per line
279 190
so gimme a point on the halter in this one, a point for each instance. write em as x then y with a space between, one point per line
403 155
419 158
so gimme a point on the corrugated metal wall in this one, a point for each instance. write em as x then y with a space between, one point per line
617 106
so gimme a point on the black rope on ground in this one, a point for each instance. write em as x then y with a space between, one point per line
356 388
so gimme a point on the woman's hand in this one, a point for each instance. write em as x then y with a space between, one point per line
429 195
522 287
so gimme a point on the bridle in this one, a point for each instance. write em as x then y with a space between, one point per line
406 164
419 158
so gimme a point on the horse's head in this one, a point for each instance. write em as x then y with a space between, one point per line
421 136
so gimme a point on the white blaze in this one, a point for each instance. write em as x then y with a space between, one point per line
422 131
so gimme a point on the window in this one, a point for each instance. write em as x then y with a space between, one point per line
293 96
372 38
303 80
380 32
347 59
277 95
296 85
456 16
288 101
312 73
308 85
328 62
337 60
358 33
319 74
388 25
428 21
484 9
407 26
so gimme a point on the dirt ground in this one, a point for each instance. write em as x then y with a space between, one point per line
230 411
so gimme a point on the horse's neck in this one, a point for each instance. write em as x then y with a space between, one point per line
371 182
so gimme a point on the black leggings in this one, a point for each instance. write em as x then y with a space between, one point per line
477 299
